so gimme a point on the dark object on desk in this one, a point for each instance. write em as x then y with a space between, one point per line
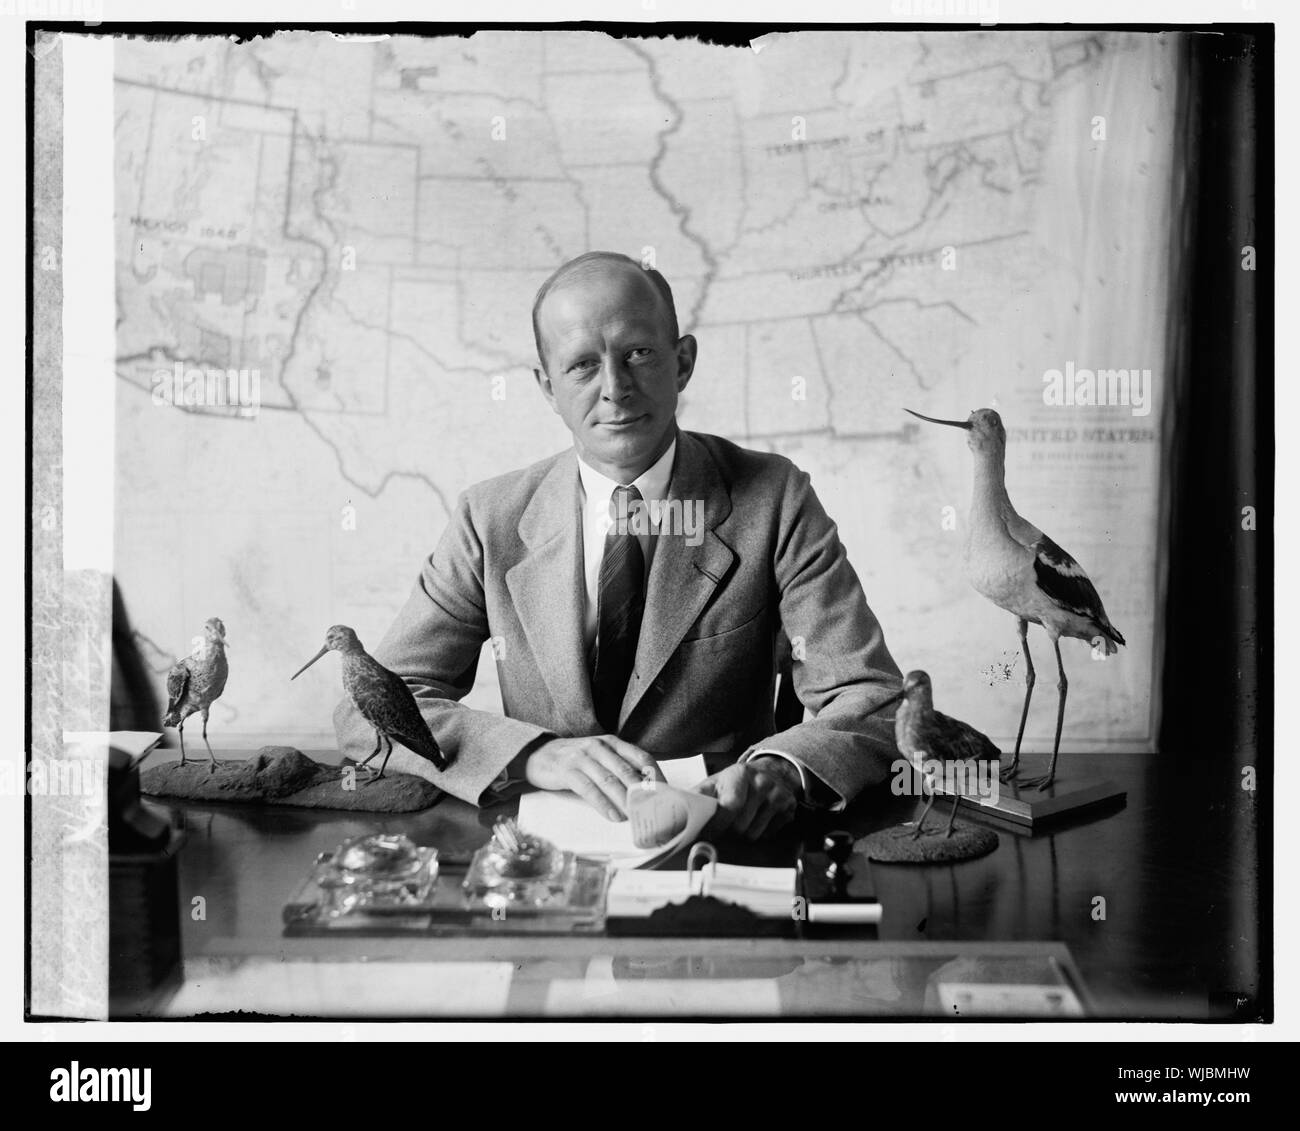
281 775
383 699
896 846
702 916
947 753
837 890
131 827
836 874
196 682
1017 567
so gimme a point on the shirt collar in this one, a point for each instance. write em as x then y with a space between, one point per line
652 483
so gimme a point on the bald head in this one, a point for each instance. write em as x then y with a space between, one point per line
600 265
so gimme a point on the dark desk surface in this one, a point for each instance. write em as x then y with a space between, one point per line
1175 938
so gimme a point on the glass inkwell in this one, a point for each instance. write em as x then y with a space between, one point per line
516 869
377 873
519 875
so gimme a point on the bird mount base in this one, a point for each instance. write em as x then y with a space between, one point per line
1027 809
281 775
899 846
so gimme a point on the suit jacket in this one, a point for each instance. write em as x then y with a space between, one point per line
509 569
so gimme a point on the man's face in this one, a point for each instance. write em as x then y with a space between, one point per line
613 370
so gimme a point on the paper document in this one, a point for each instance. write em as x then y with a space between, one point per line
765 891
568 821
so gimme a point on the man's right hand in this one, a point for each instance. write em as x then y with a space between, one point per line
598 768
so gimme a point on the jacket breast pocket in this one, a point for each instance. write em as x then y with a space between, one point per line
705 635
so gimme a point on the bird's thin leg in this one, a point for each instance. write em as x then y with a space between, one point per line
212 756
1062 686
947 832
387 754
180 729
1010 771
921 823
379 740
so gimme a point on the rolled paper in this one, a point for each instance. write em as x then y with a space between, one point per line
657 813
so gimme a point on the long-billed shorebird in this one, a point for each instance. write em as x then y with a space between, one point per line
196 682
1017 567
383 699
928 738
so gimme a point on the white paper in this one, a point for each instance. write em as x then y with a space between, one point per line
765 891
845 912
566 820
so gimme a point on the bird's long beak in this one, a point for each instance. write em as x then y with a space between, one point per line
884 703
309 663
934 420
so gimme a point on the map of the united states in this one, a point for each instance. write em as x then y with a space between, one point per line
352 231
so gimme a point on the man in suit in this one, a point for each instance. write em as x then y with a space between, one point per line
634 589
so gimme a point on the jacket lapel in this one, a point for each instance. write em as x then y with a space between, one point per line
682 577
549 590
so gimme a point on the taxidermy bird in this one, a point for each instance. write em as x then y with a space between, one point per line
1017 567
196 682
926 736
383 699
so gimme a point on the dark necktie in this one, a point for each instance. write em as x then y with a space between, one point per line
620 601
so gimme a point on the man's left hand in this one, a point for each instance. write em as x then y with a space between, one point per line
755 798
